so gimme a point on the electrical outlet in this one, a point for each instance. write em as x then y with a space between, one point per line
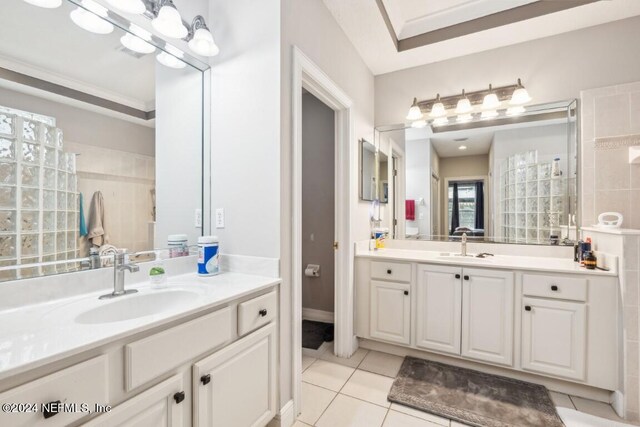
198 219
220 218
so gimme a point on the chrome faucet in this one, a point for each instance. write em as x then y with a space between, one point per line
463 250
120 265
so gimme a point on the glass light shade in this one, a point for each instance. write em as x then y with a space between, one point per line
47 4
203 44
490 102
90 21
169 23
464 118
520 96
462 147
514 111
170 61
419 124
136 44
438 110
464 106
440 121
489 114
414 112
136 7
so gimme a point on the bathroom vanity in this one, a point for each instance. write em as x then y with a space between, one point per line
526 315
200 351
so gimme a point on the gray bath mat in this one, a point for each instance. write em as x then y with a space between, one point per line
472 397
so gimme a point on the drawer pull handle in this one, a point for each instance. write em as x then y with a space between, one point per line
263 312
457 276
466 277
389 271
50 409
554 288
205 379
179 396
527 308
406 292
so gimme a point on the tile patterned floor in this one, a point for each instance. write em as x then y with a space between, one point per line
353 393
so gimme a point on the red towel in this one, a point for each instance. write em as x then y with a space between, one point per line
410 210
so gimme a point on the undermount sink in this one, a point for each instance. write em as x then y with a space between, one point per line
129 307
468 258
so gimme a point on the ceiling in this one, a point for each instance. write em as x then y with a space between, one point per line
409 21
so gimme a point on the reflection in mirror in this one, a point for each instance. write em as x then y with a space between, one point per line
100 144
383 174
367 171
505 180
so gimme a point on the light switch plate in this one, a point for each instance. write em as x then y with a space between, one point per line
220 218
198 218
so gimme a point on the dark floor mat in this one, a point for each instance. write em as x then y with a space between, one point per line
315 333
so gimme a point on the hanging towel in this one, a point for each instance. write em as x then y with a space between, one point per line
410 210
97 233
83 223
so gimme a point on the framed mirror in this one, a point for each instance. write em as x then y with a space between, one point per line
101 139
508 179
368 165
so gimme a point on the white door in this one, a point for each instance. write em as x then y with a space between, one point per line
439 300
236 387
160 406
554 337
390 312
487 315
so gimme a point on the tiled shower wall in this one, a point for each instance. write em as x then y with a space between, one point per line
610 124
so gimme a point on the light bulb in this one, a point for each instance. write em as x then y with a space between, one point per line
136 7
414 112
520 96
438 110
47 4
203 44
464 105
91 18
169 22
136 44
171 58
490 101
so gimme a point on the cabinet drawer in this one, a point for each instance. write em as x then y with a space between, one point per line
395 271
257 312
567 288
150 357
85 383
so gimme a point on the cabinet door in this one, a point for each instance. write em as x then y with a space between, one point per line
160 406
554 337
439 294
236 387
390 312
487 315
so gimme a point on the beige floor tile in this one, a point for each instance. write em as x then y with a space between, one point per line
398 419
346 411
299 423
314 402
599 409
367 386
353 361
381 363
561 399
328 375
307 361
420 414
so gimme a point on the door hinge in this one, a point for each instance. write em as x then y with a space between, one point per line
395 172
395 222
335 246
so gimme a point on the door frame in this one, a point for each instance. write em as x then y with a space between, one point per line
307 75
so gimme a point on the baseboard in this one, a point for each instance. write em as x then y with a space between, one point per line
617 402
317 315
285 418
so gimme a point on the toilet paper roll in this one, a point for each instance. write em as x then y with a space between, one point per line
312 270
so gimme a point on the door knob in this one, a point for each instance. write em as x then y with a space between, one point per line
554 288
527 308
179 396
406 292
205 379
389 271
263 312
50 409
466 277
457 276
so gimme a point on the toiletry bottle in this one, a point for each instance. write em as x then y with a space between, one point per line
157 272
94 258
590 260
208 256
584 248
555 168
576 251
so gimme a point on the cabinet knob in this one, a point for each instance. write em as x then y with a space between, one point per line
50 409
554 287
205 379
179 396
389 271
466 277
527 308
406 292
457 276
263 312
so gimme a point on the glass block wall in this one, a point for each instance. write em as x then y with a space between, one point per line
38 195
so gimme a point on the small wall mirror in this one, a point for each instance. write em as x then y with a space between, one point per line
368 178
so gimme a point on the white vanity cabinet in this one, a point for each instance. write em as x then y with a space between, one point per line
391 311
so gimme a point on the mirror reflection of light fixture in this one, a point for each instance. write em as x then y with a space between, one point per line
171 58
491 101
89 17
419 124
136 44
438 110
47 4
202 41
520 96
514 111
441 121
135 7
168 21
414 112
489 114
464 118
464 105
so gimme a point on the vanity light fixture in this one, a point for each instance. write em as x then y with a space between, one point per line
464 118
489 114
89 17
438 109
514 111
47 4
135 7
136 44
419 124
441 121
491 101
414 112
464 105
168 21
171 58
202 41
520 95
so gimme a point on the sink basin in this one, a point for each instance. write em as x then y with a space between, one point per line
464 259
137 305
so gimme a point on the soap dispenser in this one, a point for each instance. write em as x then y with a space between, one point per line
157 272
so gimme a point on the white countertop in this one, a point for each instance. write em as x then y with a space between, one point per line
35 335
547 264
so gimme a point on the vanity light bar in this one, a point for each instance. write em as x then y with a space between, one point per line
504 93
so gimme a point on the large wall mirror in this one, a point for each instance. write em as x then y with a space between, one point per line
508 179
101 139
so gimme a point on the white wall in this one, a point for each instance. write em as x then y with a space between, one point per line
552 69
418 182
